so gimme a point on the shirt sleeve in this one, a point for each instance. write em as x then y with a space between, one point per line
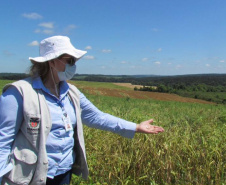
93 117
11 116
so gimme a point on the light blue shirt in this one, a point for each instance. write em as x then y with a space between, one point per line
59 143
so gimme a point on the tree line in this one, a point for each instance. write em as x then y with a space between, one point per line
200 91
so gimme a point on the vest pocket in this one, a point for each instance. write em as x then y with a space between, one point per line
24 166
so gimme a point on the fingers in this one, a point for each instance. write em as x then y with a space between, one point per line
159 129
154 129
147 127
150 121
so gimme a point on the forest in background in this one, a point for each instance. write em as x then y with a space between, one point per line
210 87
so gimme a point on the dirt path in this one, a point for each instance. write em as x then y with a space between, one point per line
129 85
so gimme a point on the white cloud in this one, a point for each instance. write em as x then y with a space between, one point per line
132 67
169 63
157 62
144 59
123 62
207 65
37 31
45 31
89 57
159 50
32 16
106 51
34 43
49 25
178 66
69 28
7 53
48 32
155 29
88 47
222 61
103 67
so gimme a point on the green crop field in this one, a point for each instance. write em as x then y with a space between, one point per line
3 83
82 84
192 150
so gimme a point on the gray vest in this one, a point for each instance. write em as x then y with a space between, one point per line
28 154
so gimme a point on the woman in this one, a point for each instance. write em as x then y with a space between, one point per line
41 135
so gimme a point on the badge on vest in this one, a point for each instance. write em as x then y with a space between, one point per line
67 123
34 125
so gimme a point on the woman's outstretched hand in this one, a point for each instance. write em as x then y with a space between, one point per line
147 127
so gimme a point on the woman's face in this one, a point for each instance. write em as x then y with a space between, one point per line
60 62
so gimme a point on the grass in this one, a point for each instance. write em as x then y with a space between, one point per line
217 97
94 85
3 83
192 150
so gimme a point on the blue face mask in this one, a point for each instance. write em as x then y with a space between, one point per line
68 73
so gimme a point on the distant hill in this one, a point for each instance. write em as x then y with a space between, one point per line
154 80
13 76
114 76
16 76
187 80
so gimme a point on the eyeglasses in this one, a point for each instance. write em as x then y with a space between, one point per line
69 60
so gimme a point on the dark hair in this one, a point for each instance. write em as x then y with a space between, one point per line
39 69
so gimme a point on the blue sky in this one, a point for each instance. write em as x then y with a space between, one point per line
122 37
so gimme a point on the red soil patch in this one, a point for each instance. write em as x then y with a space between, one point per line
142 95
